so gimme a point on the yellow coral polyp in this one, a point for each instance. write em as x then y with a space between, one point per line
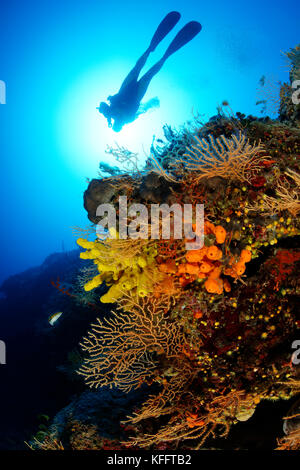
85 243
206 267
220 234
215 273
226 285
214 286
240 268
128 282
141 262
120 271
93 283
113 294
214 253
86 255
195 256
246 255
207 263
192 268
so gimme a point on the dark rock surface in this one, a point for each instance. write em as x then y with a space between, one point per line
103 408
152 188
30 380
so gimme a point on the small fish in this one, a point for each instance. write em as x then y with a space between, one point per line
54 317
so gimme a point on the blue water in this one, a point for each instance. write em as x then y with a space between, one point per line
60 58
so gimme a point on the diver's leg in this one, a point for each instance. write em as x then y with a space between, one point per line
185 35
166 25
143 83
134 73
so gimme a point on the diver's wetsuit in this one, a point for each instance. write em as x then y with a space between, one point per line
125 104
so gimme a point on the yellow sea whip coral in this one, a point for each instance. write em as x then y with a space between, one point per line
124 265
233 158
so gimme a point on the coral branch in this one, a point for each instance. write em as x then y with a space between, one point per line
233 158
288 198
123 349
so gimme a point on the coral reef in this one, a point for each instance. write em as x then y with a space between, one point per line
229 307
88 423
205 335
232 158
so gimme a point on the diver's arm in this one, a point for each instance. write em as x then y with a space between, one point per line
104 109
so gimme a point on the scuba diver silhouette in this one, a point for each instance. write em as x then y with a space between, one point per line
124 106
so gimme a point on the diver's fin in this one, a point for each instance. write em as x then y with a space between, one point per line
186 34
166 25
